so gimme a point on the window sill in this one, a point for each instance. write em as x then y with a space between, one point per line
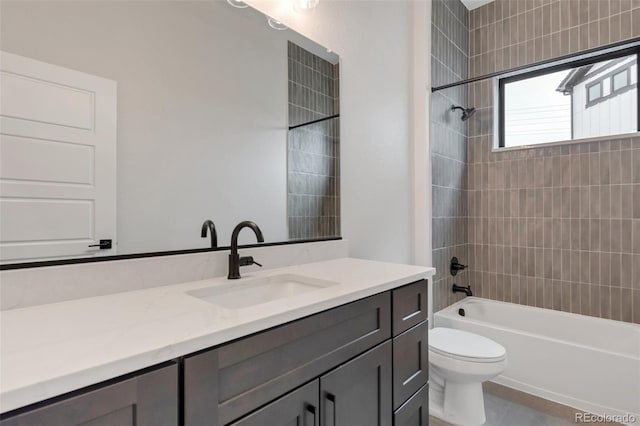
568 142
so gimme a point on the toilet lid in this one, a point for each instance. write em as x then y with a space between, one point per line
465 345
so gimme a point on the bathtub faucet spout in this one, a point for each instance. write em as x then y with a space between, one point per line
460 289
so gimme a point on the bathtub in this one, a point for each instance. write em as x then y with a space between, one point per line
588 363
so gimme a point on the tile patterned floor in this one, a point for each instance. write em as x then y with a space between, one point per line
502 412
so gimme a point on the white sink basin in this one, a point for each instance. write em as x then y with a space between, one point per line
238 294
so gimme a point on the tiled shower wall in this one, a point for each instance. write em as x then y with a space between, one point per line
449 59
313 154
555 227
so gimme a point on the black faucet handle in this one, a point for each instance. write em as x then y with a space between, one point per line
456 266
248 261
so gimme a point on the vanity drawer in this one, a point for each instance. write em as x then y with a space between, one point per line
409 306
149 399
410 363
228 382
415 412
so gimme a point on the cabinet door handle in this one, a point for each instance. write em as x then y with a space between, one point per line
310 413
331 409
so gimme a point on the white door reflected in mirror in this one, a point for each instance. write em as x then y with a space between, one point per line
57 161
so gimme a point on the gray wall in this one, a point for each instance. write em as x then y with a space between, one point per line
552 227
449 59
313 164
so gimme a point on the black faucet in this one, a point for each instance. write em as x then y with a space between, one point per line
461 289
235 261
209 225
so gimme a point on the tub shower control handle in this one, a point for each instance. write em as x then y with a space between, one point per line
456 266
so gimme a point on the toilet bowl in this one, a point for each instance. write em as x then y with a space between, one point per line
459 362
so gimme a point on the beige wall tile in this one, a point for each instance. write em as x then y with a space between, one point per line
626 305
635 22
561 226
635 278
636 306
585 300
615 303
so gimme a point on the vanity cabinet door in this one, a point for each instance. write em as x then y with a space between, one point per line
299 408
150 399
415 412
358 393
410 363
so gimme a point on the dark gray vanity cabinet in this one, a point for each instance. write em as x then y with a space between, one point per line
148 399
358 393
370 357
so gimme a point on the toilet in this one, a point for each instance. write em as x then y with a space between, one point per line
459 361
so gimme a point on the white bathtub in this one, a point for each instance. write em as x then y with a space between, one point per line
584 362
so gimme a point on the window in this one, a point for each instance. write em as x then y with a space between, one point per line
595 91
582 99
620 80
606 86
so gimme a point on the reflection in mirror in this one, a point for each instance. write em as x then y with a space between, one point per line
136 122
314 198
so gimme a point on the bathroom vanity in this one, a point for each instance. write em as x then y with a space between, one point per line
352 351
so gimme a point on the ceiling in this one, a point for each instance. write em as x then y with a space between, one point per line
472 4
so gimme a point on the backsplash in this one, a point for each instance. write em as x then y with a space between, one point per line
554 227
20 288
314 151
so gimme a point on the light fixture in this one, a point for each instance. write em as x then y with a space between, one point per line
305 6
276 25
238 3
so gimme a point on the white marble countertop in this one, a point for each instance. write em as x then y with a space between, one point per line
51 349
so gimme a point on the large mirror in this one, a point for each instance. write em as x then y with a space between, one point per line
126 125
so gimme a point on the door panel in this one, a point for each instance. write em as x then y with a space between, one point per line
45 101
358 393
40 214
415 412
31 160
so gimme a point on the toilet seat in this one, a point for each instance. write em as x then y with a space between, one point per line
465 346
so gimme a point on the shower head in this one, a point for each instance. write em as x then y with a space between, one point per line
466 112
